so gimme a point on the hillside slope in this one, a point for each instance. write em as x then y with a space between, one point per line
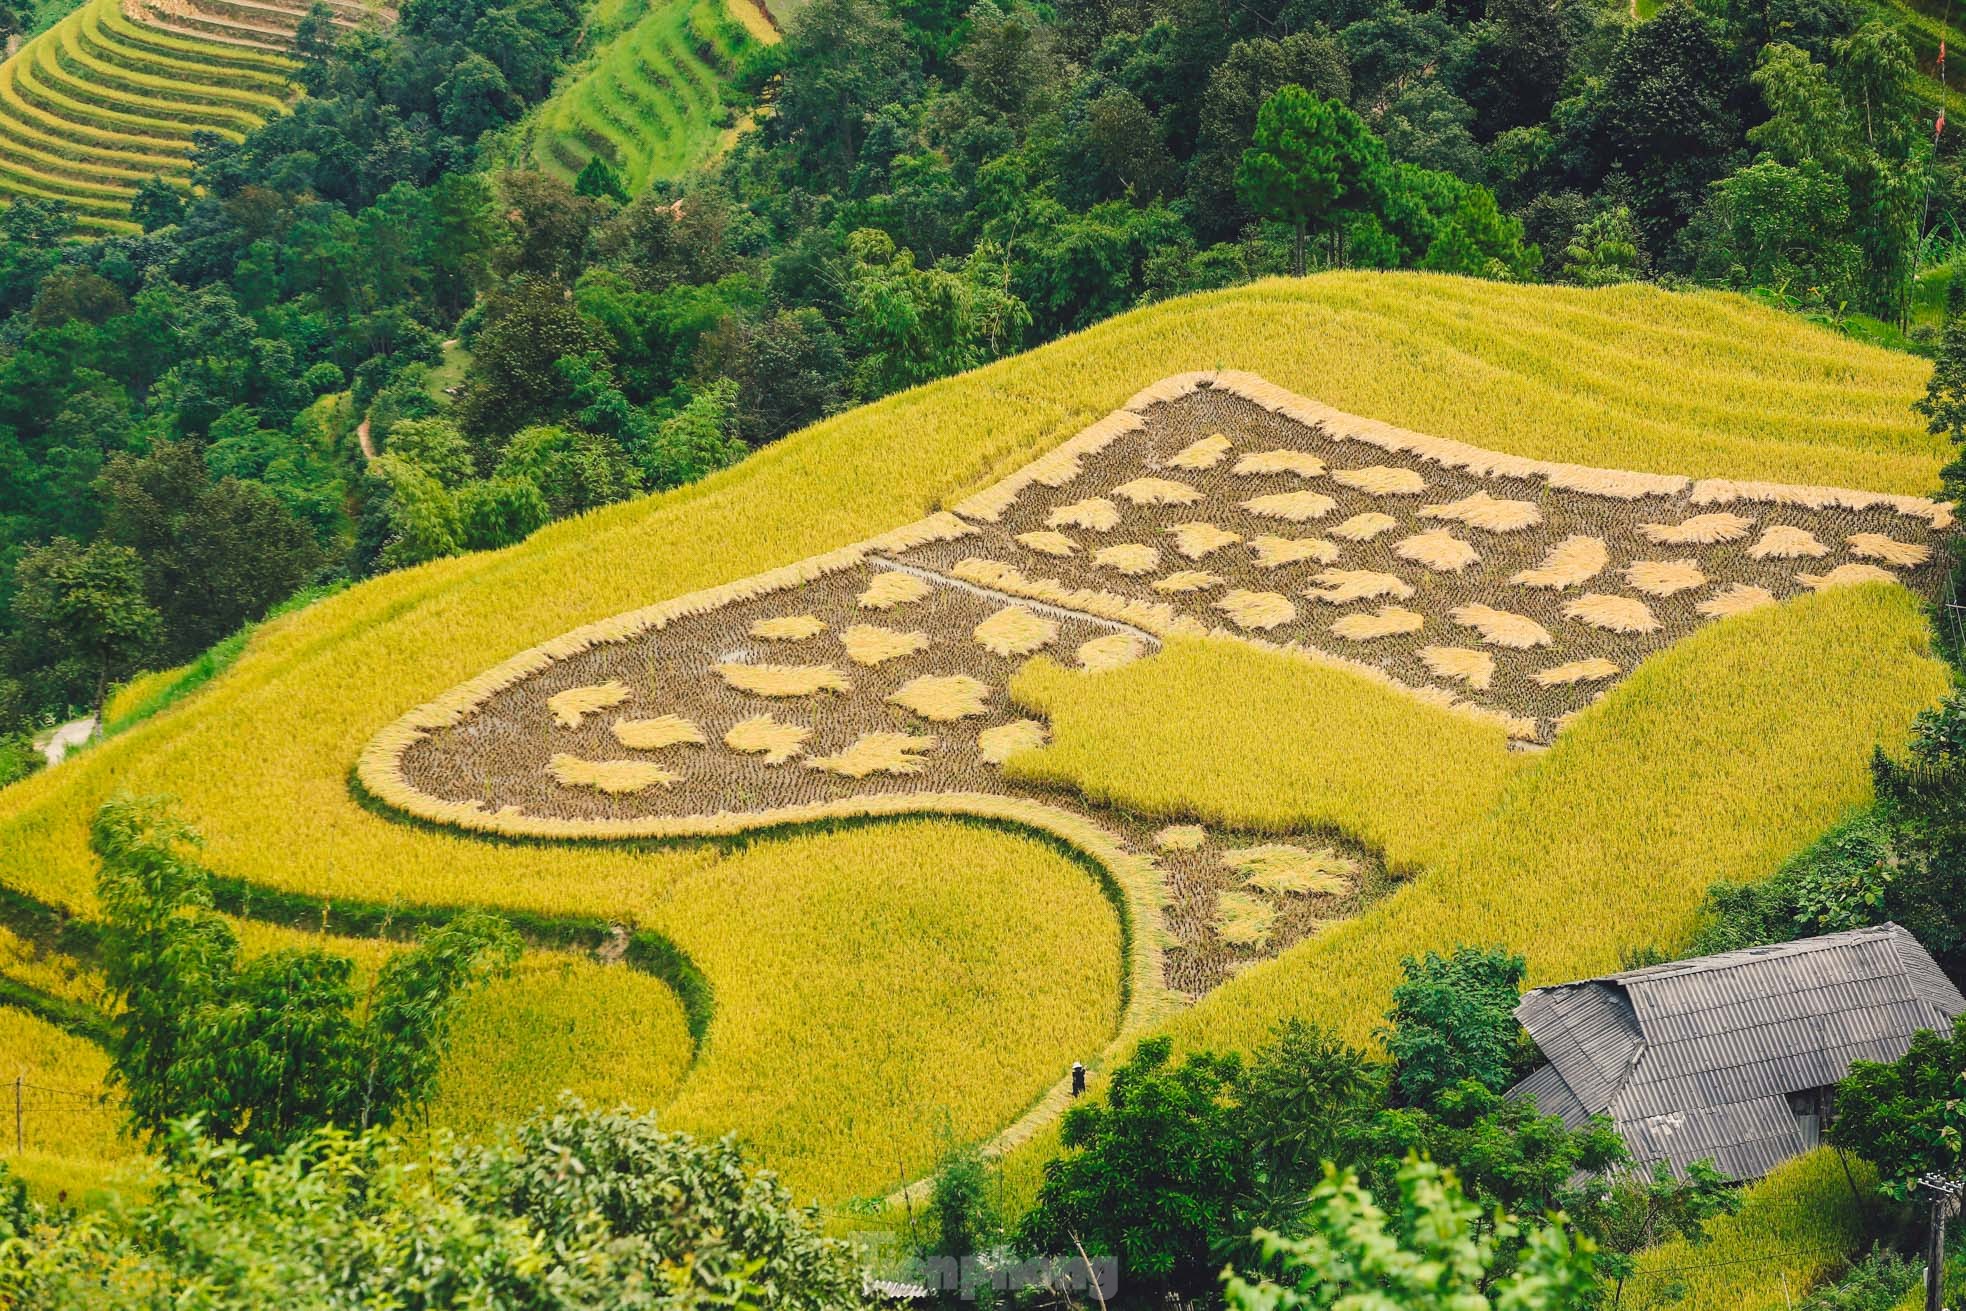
870 982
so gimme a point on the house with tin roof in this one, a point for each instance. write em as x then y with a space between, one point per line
1732 1058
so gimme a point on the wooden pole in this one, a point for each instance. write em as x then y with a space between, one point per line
18 1136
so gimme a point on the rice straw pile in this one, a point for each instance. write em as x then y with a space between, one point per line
942 698
1279 867
1483 511
1439 550
1876 546
1094 514
761 735
891 588
1108 652
1129 558
1387 621
1046 542
1015 631
1664 577
1575 559
870 644
1273 552
1291 507
1204 454
1700 530
1736 600
1301 463
1343 586
998 744
1381 480
1195 540
1259 610
576 703
1242 920
1462 663
1365 526
1845 575
1613 614
617 778
877 753
1181 837
1186 580
1157 491
655 734
787 628
1500 628
784 680
1591 670
1787 542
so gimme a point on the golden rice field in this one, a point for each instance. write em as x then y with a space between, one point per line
873 976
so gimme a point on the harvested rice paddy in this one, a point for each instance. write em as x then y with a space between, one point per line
1054 877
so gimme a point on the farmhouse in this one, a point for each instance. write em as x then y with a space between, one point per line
1732 1058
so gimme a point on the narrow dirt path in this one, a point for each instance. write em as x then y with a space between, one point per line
55 744
362 436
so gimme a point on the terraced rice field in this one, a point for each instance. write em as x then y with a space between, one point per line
650 100
958 911
113 95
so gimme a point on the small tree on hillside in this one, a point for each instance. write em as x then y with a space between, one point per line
89 601
263 1050
1907 1117
1944 402
1313 163
1453 1018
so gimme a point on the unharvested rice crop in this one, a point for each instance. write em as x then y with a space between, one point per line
1015 631
1876 546
1343 586
1463 663
787 680
1381 480
1187 580
1439 550
877 753
1195 540
1291 507
1094 514
1386 621
1501 628
1700 530
1206 453
1787 542
576 703
1129 558
1736 600
617 778
1365 526
870 644
1592 669
1181 837
1257 610
1270 552
1574 560
892 588
1845 575
1301 463
1281 867
1242 920
1480 510
1108 652
1045 541
655 734
1665 577
1612 614
998 744
761 735
787 628
1157 491
943 698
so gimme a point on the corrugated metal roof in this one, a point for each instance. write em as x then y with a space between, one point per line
1694 1059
